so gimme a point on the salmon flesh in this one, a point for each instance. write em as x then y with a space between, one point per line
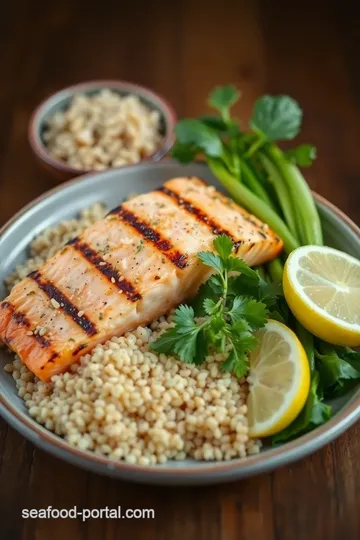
125 270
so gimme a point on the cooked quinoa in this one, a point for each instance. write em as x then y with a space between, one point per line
127 402
103 130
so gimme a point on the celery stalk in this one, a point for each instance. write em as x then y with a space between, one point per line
308 220
254 204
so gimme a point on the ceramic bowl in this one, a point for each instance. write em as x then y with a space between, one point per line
60 101
111 187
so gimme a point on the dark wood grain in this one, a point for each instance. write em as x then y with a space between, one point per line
182 49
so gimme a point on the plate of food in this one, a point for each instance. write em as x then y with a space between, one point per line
183 322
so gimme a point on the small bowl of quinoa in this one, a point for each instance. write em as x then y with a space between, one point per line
98 125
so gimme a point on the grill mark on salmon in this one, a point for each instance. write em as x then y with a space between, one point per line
106 269
148 233
79 349
54 293
200 215
20 318
169 237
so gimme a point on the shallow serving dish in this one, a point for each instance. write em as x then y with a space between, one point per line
60 101
111 187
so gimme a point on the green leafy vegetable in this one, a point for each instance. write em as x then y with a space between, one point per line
223 245
198 135
248 309
229 128
277 117
339 368
269 184
185 153
302 155
252 168
314 414
228 320
222 98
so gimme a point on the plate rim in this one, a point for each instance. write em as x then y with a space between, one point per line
239 467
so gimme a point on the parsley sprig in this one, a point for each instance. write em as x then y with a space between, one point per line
219 318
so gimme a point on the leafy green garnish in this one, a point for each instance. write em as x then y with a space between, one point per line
222 98
339 368
228 320
185 153
334 371
314 414
277 117
302 155
198 135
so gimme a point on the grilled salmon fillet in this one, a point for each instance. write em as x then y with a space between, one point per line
125 270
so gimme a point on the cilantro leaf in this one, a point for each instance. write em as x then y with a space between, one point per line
233 264
240 326
254 312
223 245
211 259
228 319
277 117
222 98
237 360
211 289
202 349
166 342
210 306
182 339
216 332
315 413
186 349
194 132
302 155
184 318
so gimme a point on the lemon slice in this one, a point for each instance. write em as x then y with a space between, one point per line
279 380
322 288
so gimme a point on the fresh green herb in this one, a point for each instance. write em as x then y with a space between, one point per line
268 183
302 155
196 134
222 98
257 174
30 293
140 246
339 368
227 320
276 117
315 413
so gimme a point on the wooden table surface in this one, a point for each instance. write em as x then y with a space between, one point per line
183 49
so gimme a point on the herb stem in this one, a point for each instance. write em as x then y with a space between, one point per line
256 145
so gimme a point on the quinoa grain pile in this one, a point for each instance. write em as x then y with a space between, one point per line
103 130
127 402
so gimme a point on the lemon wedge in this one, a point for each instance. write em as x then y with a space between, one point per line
279 380
322 289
